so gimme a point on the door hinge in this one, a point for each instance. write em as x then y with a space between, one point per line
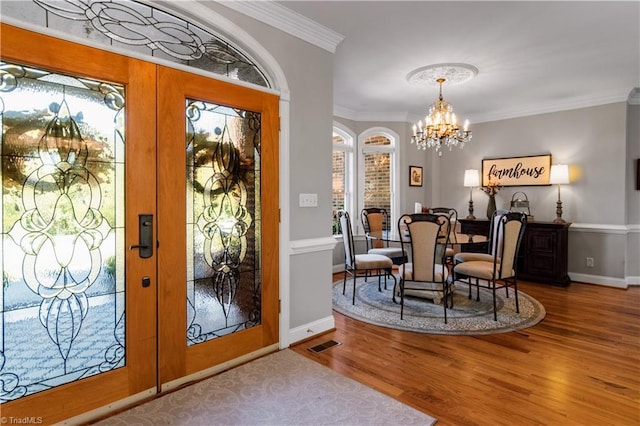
279 216
279 305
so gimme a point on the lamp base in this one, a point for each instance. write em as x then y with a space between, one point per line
559 218
470 216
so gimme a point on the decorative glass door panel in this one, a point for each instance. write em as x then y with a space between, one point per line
62 171
223 220
218 275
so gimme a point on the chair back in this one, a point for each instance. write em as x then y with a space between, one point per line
452 220
427 245
510 229
495 245
375 222
347 238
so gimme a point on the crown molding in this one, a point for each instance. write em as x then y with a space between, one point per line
350 114
287 20
575 103
585 102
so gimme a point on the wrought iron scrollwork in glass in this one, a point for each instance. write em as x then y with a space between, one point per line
149 30
62 310
223 148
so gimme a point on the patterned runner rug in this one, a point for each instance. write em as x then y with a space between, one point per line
283 388
467 317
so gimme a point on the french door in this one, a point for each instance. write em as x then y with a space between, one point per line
139 226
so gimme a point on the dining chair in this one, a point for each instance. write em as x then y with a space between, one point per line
376 224
425 275
451 216
371 264
492 246
500 271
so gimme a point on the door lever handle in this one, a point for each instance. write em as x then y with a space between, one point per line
145 236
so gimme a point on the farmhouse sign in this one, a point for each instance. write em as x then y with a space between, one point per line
517 171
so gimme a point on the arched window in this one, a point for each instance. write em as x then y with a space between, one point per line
377 171
342 187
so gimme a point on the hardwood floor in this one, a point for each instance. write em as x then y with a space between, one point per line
579 366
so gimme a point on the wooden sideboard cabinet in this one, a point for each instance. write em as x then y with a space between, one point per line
543 255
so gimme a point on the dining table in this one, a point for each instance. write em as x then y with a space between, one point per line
462 241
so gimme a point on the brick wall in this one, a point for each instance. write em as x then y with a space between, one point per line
377 175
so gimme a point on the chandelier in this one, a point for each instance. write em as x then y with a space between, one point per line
440 127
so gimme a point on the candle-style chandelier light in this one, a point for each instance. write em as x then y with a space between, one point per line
440 127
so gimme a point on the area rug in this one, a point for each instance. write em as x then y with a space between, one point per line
283 388
468 317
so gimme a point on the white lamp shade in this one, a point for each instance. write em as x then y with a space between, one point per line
559 174
471 177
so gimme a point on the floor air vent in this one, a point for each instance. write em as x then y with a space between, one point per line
324 346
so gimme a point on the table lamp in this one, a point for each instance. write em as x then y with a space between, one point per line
471 179
559 175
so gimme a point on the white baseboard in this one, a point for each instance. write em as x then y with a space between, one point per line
311 329
633 280
599 280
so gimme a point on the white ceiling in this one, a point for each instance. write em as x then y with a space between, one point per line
532 57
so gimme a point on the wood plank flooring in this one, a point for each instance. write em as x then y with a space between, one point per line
579 366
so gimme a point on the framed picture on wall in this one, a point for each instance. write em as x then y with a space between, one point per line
415 176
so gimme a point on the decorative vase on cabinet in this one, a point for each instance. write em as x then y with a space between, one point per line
491 206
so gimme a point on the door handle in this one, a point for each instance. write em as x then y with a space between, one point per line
145 236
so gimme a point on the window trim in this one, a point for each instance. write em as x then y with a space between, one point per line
350 167
393 150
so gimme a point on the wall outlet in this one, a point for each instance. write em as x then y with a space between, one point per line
589 262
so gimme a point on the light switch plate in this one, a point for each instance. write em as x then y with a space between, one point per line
308 200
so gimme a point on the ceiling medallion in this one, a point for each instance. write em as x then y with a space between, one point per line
453 73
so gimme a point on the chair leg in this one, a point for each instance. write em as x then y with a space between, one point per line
401 298
515 291
445 287
395 286
353 300
495 312
344 282
477 290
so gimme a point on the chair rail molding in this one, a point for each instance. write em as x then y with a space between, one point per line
311 245
603 228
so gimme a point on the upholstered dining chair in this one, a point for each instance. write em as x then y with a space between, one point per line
425 275
500 271
371 264
451 221
492 246
376 224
